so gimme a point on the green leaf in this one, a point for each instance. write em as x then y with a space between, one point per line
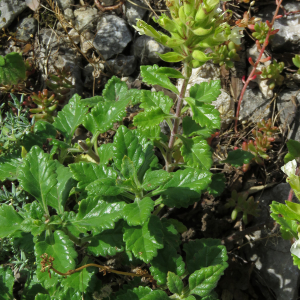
143 293
10 220
238 157
37 175
204 253
153 179
103 116
59 194
203 281
171 235
70 117
127 168
151 133
97 215
294 148
170 72
179 226
32 287
105 153
191 128
217 185
171 57
167 260
294 182
8 167
107 187
12 68
87 173
196 153
127 144
175 284
7 280
206 91
109 242
138 213
144 241
151 117
44 129
150 75
93 101
60 247
296 261
204 114
42 297
155 100
185 185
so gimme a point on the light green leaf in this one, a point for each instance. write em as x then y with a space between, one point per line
217 185
144 241
42 297
153 179
203 281
127 168
103 116
93 101
143 293
191 128
170 72
171 57
138 213
105 187
294 182
87 173
105 153
37 175
70 117
175 284
12 68
206 91
7 280
204 114
196 153
151 133
238 157
155 100
8 166
150 75
10 220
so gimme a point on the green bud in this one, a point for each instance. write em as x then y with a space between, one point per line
234 214
166 23
197 63
245 218
201 56
201 15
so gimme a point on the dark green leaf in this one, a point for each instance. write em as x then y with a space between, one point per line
7 280
179 226
105 187
155 100
151 133
143 293
191 128
93 101
171 235
170 72
238 157
294 148
175 284
217 185
105 153
206 91
44 129
127 168
153 179
32 287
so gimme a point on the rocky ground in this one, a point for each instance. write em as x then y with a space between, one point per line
99 42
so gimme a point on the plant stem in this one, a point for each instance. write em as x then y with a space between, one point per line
265 44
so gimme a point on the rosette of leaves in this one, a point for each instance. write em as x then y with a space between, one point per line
225 54
271 74
242 203
296 61
260 32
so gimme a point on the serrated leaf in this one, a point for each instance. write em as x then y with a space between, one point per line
109 242
70 117
127 168
7 280
127 144
204 253
151 117
174 283
138 213
204 114
217 185
185 185
105 153
12 68
170 72
60 247
87 173
167 260
143 293
8 167
206 91
97 215
156 99
151 133
153 179
191 128
179 226
196 153
103 116
37 175
44 129
203 281
59 194
171 57
296 261
105 187
144 241
238 157
150 75
92 101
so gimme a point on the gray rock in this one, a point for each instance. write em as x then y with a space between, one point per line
254 106
26 29
134 12
9 10
64 4
286 111
146 49
271 255
69 14
112 36
86 41
289 27
86 18
122 65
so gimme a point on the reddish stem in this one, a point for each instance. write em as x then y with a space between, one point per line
250 77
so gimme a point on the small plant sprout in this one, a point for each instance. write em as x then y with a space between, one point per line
271 73
296 61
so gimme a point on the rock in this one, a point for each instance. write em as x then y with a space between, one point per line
75 36
86 41
134 12
69 14
272 256
254 106
112 36
122 65
146 49
10 9
286 111
289 27
64 4
86 18
26 29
